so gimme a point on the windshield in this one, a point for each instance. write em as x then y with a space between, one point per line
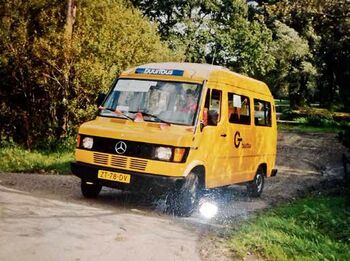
158 101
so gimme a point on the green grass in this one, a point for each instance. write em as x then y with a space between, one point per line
308 128
309 229
17 159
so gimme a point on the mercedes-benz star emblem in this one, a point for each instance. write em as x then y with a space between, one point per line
120 147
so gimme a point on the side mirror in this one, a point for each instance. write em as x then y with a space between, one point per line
213 117
201 126
100 98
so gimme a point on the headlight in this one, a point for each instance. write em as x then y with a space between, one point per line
87 143
163 153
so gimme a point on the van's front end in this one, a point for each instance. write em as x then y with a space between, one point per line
143 134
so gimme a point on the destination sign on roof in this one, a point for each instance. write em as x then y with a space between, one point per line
159 71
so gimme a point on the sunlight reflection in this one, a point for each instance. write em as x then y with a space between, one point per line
208 209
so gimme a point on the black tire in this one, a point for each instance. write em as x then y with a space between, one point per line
256 187
90 190
182 201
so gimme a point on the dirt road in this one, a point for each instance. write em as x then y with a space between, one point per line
44 217
34 228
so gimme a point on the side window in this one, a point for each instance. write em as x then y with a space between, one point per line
262 113
238 109
213 105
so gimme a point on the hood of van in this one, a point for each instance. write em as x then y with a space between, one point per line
148 132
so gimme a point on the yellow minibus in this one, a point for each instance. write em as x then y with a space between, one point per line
179 128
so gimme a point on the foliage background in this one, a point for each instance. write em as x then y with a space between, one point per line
50 75
55 56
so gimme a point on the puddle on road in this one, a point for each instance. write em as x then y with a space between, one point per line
232 204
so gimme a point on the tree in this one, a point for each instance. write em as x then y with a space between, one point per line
213 31
294 75
333 26
325 25
52 65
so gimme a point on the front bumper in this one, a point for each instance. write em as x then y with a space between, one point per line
138 181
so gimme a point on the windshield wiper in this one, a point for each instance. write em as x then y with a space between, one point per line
151 115
118 113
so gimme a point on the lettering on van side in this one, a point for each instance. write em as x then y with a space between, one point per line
246 145
159 71
238 140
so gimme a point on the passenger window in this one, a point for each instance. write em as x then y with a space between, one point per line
213 105
262 113
238 109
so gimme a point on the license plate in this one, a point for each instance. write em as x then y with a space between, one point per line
114 176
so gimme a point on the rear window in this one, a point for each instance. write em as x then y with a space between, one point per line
262 113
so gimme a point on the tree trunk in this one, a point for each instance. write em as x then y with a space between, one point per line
62 110
70 19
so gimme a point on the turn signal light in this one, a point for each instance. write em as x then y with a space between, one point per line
78 141
178 154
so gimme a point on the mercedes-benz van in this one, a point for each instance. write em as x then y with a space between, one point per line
181 128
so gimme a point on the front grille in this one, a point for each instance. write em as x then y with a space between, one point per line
120 162
138 164
100 158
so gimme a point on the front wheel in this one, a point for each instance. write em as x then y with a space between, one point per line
184 200
89 189
255 187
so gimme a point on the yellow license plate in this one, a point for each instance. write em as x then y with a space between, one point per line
114 176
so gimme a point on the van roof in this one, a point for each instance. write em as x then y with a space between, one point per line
200 72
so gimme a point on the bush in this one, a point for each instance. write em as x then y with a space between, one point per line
288 114
316 112
316 117
319 121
